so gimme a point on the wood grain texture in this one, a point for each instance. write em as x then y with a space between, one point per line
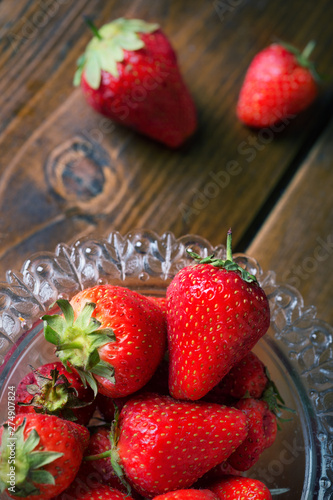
52 142
297 239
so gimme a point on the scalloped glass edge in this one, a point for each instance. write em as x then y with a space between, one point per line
144 257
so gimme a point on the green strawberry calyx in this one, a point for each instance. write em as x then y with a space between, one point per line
274 400
20 460
228 264
303 57
54 395
77 342
106 49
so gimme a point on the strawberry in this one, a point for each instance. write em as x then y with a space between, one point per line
247 377
188 495
216 473
162 444
161 301
280 83
106 407
216 314
99 443
97 477
157 384
98 492
112 336
52 389
40 455
240 488
261 433
129 73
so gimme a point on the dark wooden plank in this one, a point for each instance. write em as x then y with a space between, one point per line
223 177
297 239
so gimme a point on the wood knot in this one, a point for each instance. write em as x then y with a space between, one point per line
81 175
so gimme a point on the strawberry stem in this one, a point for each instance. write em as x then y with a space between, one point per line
228 264
91 458
229 245
112 453
92 27
308 49
69 345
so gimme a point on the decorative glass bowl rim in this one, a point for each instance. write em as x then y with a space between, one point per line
148 261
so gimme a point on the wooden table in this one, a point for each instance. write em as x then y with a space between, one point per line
278 195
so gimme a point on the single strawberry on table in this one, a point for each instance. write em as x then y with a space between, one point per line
52 389
280 83
161 444
113 337
217 312
240 488
129 73
40 455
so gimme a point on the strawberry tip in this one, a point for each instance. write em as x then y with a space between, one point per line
93 28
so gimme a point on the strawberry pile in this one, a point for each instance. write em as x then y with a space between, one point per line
183 404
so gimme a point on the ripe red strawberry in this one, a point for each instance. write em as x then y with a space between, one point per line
95 477
99 443
129 73
163 444
106 407
52 389
216 314
216 473
240 488
261 433
188 495
97 492
161 301
157 384
40 455
279 84
113 337
247 377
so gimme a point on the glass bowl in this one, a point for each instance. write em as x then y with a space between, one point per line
297 348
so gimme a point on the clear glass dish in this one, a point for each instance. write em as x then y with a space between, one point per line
297 348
